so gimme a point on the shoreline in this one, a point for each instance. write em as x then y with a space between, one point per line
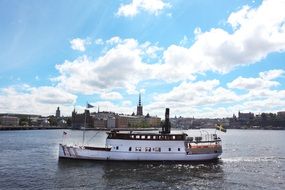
13 128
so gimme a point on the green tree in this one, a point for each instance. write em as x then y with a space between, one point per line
24 121
52 120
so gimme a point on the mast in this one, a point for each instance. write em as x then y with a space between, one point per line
84 127
85 120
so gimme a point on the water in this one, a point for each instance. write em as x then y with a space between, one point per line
252 159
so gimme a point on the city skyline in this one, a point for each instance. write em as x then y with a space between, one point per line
205 59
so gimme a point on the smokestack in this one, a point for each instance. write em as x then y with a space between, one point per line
166 126
167 114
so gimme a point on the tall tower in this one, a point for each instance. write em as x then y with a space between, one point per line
57 113
139 107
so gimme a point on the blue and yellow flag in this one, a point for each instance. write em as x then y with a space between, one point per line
221 128
89 105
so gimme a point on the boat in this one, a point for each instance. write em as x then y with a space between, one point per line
163 145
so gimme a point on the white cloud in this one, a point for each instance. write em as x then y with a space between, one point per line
79 44
257 32
151 51
237 19
272 74
210 99
133 8
184 41
109 106
262 82
99 41
199 93
197 31
35 100
126 103
251 83
111 96
119 67
192 99
114 40
260 95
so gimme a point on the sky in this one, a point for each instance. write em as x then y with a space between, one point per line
200 58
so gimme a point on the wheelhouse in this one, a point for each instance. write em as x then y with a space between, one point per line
146 136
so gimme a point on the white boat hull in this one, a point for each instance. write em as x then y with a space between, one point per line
82 153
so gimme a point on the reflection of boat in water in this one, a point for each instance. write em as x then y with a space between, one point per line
148 146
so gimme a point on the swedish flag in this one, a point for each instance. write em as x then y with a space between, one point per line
89 105
221 128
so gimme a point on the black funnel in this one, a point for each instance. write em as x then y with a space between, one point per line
166 126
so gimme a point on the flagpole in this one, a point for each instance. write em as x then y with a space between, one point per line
84 128
85 121
62 138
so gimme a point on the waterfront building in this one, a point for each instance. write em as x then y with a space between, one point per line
103 115
129 121
7 120
153 121
24 119
104 119
100 123
121 121
246 117
79 120
111 122
281 114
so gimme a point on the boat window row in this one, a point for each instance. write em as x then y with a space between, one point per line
149 149
145 137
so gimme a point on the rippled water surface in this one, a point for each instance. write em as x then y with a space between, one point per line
252 159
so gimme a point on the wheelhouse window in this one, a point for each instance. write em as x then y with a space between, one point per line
169 149
178 149
130 149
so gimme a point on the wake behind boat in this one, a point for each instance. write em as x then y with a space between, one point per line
148 146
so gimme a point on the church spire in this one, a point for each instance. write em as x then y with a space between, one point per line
139 107
140 102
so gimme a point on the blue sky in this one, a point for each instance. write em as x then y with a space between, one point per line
200 58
